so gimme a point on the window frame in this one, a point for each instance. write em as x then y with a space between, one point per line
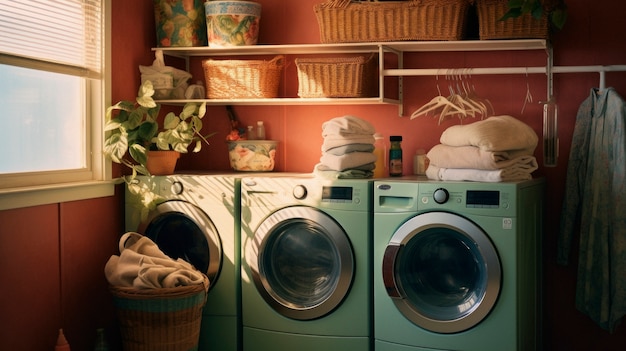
93 182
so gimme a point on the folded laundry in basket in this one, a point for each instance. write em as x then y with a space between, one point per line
496 133
141 264
475 158
347 125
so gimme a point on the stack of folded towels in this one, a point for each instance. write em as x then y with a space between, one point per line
347 151
497 149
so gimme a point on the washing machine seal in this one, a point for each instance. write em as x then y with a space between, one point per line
304 262
183 230
442 272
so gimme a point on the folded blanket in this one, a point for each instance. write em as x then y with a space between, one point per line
321 172
347 125
511 173
141 264
347 161
333 141
340 150
496 133
474 158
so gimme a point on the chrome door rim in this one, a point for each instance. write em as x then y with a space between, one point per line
419 224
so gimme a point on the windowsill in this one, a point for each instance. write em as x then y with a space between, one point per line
42 195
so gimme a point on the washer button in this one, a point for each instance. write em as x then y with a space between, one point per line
441 195
299 192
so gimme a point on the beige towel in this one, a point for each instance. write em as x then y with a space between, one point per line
347 125
521 171
473 157
333 141
141 264
496 133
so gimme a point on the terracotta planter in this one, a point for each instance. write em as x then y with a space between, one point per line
162 162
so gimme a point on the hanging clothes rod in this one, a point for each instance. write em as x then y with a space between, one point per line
508 70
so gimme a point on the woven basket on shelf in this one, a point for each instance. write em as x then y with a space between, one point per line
241 79
342 21
165 319
522 27
352 77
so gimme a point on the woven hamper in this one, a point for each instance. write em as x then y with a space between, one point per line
349 77
165 319
242 79
522 27
342 21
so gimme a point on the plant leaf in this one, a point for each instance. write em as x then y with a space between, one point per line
171 121
558 18
138 153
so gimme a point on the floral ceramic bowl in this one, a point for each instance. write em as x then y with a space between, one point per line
180 23
232 23
252 155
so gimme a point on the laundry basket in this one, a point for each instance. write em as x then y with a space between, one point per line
164 319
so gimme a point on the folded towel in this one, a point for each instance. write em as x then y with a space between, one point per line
365 167
347 161
511 173
347 125
321 172
496 133
334 141
141 264
473 157
344 149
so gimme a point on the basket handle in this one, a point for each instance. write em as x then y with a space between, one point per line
277 61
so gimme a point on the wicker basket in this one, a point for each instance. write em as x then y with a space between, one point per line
242 79
348 77
522 27
166 319
342 21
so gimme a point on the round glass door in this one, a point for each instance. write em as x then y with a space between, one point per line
304 265
182 230
442 272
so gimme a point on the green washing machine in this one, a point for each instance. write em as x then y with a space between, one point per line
457 265
306 264
199 222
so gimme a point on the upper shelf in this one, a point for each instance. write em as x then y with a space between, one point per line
400 46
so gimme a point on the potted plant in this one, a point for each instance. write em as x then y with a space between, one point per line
556 10
134 132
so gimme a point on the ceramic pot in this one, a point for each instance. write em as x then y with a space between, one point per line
180 23
162 162
232 23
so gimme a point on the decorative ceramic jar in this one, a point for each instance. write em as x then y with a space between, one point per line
252 155
180 23
232 23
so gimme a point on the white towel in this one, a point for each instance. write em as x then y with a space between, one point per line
347 125
333 141
141 264
496 133
347 161
472 157
511 173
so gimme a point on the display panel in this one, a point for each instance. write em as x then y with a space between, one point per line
337 193
483 198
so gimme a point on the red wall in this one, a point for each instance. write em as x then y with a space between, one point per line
52 256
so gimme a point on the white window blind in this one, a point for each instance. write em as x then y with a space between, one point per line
51 92
61 36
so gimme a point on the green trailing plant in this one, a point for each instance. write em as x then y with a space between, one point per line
556 10
132 130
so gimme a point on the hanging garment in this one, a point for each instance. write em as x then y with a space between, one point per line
595 199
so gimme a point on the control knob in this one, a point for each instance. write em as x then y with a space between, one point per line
299 192
441 196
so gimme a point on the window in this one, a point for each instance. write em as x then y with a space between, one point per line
51 98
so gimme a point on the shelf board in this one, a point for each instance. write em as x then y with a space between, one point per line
287 101
401 46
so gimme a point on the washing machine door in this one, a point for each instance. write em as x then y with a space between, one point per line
304 263
183 230
442 272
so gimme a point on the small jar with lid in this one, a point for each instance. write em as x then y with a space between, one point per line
395 156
